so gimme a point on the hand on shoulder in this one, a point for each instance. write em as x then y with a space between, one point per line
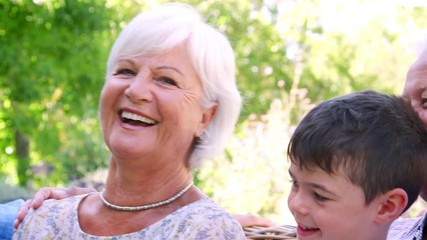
48 193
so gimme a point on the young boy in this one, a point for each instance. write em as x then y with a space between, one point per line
356 165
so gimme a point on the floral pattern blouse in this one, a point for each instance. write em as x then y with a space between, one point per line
203 219
407 228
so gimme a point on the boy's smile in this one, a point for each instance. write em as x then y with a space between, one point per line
328 206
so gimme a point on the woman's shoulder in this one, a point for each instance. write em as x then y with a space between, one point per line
205 218
52 216
53 206
204 208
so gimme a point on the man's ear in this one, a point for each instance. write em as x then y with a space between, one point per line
391 206
207 116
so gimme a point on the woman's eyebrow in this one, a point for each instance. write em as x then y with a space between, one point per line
129 61
171 68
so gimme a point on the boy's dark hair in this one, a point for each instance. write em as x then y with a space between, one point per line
377 139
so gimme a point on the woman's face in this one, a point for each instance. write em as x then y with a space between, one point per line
150 106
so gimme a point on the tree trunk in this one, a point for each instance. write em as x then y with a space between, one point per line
22 146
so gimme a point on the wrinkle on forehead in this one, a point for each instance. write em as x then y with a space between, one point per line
419 70
420 64
414 85
416 81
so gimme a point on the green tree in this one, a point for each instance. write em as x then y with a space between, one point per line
53 56
289 54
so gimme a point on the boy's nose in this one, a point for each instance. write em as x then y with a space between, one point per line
296 204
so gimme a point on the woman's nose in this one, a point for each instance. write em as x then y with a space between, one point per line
140 88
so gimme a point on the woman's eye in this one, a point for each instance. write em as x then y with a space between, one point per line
125 71
167 81
319 197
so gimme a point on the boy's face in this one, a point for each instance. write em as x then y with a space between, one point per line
328 206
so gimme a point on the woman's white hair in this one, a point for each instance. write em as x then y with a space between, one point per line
169 25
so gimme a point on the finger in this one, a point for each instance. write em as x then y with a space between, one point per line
263 222
73 191
22 212
61 193
15 225
57 193
41 195
247 220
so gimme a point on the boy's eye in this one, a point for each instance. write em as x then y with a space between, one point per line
319 197
294 184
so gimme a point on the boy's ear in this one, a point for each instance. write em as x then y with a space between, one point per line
391 205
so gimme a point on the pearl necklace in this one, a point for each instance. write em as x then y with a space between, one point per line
143 207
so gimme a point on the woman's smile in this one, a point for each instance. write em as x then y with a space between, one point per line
135 119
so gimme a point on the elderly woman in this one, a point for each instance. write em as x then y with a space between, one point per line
169 101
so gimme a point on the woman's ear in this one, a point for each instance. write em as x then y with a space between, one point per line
207 115
391 206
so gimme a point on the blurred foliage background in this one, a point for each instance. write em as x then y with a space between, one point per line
290 55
